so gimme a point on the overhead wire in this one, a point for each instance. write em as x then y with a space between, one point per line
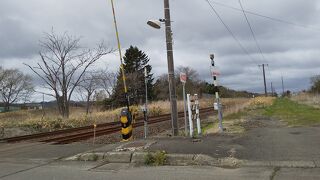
252 33
230 32
267 17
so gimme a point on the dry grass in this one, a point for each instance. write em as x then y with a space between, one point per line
237 113
307 99
49 119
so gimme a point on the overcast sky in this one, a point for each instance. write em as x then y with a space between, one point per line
292 51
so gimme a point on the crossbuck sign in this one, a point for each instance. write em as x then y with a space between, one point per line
183 77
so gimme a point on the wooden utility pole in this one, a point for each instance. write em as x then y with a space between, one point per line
264 79
282 85
271 89
172 84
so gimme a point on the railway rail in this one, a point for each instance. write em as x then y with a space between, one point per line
86 132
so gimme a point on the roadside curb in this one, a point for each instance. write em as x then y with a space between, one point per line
188 160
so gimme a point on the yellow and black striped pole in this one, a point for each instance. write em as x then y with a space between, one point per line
126 118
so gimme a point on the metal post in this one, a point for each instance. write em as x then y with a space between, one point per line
172 85
146 103
185 109
219 107
214 75
190 115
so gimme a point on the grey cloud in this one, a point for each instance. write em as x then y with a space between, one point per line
289 50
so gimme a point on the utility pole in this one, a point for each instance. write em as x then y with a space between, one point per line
172 84
145 112
271 89
282 85
264 79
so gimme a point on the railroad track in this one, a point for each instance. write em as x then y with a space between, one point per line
82 133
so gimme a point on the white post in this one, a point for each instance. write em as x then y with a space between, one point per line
197 114
190 115
185 110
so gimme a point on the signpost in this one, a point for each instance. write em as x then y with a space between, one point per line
183 79
215 73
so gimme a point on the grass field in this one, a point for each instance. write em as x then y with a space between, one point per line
293 113
49 119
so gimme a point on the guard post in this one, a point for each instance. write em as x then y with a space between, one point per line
194 113
126 124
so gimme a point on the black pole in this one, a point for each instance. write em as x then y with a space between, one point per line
264 80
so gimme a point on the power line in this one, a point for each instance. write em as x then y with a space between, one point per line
230 32
267 17
251 30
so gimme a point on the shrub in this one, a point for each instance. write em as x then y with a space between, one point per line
156 159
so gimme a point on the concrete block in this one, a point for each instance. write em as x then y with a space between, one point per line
248 163
138 157
91 156
230 162
73 158
179 159
201 159
118 157
293 164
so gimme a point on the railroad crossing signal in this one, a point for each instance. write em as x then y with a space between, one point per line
215 73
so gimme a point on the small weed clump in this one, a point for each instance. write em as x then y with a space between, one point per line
155 159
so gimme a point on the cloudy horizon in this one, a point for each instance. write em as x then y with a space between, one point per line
290 46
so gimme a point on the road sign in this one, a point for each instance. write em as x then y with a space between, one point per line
183 77
215 73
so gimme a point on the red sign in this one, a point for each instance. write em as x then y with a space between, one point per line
215 73
183 77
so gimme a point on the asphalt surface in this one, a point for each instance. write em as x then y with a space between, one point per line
270 142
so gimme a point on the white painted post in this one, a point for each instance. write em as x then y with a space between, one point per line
190 116
197 114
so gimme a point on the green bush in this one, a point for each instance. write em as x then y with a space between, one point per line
155 159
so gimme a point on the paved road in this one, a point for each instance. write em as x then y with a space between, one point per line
96 171
270 142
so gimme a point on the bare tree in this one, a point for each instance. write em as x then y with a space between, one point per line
108 81
14 86
63 63
89 83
